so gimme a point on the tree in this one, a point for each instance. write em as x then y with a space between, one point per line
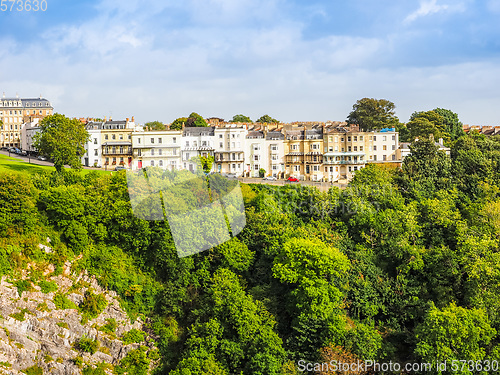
196 120
155 125
454 333
267 119
424 124
177 124
453 126
241 118
63 140
373 114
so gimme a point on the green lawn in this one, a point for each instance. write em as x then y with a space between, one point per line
21 165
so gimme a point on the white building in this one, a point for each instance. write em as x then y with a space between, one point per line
157 149
230 149
93 147
256 156
196 142
275 146
383 145
28 131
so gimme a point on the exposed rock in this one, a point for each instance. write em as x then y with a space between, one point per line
46 336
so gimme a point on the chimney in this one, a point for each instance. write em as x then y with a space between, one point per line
127 119
104 118
440 141
4 94
133 119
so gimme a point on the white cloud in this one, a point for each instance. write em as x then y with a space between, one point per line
429 7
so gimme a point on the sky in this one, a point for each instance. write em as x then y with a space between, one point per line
292 59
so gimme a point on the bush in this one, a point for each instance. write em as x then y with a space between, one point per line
109 327
92 305
23 286
133 336
136 362
33 370
47 286
88 345
62 302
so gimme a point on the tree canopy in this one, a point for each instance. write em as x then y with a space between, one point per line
196 120
373 114
267 119
424 124
62 140
241 118
154 125
177 124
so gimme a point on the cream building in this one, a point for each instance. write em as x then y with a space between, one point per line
16 111
157 149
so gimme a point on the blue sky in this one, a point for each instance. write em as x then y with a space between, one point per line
294 60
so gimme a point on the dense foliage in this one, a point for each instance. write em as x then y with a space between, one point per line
401 265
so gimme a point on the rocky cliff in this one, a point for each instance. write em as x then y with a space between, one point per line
67 324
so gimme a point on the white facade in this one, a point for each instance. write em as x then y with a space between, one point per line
93 147
383 146
28 131
197 141
256 156
157 149
230 149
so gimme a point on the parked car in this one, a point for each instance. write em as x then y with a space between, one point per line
270 178
40 157
23 153
120 168
293 179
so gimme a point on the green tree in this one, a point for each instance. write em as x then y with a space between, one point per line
453 126
155 125
453 333
373 114
63 140
177 124
241 118
424 124
267 119
196 120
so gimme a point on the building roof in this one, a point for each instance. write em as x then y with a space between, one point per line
255 134
195 131
275 135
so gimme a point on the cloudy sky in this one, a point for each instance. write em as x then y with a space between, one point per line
292 59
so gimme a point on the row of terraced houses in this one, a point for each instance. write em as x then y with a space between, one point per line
330 151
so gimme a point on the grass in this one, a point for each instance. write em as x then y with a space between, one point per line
21 165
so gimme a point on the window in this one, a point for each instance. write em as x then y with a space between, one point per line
384 138
160 163
139 153
360 137
348 148
355 138
256 167
121 160
350 169
342 139
113 136
384 147
130 136
256 157
297 168
360 148
96 153
220 135
139 140
121 149
121 136
159 140
393 147
374 137
160 151
204 143
105 136
349 139
152 140
274 147
374 157
393 157
174 151
174 140
95 141
393 137
375 148
385 157
221 144
152 163
187 143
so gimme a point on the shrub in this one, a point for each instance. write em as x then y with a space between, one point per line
63 325
92 305
22 286
133 336
136 362
88 345
33 370
62 302
110 326
43 307
47 286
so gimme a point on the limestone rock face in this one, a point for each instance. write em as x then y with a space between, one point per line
33 331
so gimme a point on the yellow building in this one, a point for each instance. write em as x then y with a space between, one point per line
14 112
116 143
303 151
